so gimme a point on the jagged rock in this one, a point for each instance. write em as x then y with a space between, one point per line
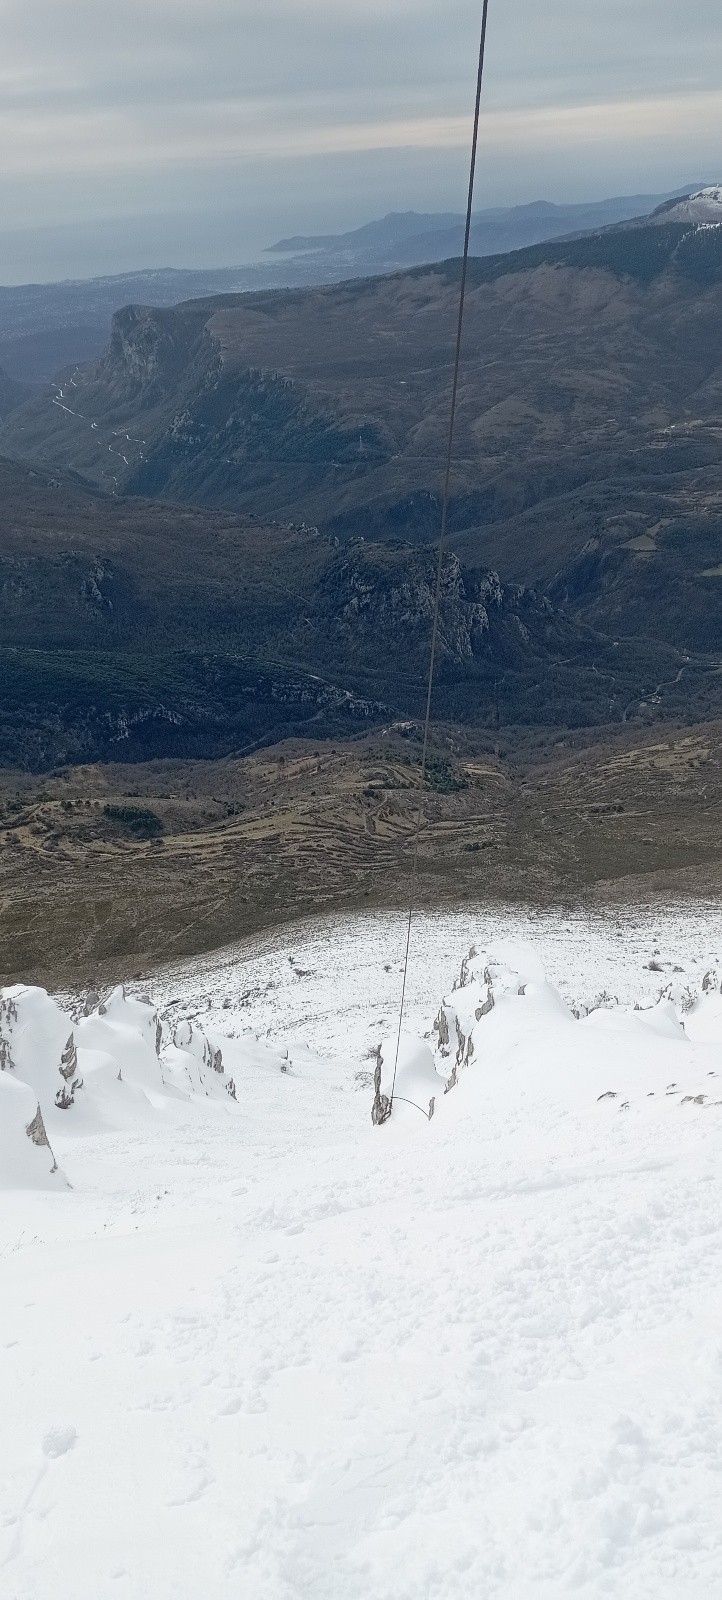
481 980
36 1131
213 1058
68 1069
8 1010
383 599
27 1160
460 1043
441 1027
69 1060
193 1058
381 1108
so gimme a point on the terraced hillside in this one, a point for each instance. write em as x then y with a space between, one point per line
107 870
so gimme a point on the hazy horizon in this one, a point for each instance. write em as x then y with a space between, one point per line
195 135
106 254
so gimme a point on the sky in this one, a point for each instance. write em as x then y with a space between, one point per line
194 132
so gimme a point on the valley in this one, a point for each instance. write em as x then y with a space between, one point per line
136 630
589 424
216 590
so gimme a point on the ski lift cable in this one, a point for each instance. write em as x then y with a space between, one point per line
442 532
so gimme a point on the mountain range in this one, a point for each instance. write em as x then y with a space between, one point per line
409 239
226 533
589 422
45 327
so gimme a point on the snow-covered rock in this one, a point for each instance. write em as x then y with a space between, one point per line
706 204
417 1080
110 1068
504 1033
26 1158
660 1018
127 1029
487 981
193 1064
96 1074
39 1045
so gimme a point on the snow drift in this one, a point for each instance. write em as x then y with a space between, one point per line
111 1067
504 1033
26 1159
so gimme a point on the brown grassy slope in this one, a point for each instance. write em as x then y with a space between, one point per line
307 827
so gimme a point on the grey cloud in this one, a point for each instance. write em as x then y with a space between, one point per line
188 98
206 47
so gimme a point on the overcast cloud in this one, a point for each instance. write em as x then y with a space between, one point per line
191 132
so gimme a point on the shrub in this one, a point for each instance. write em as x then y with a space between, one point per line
439 776
139 820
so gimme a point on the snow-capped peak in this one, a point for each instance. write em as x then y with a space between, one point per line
712 196
702 206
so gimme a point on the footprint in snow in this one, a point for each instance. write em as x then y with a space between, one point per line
232 1407
59 1440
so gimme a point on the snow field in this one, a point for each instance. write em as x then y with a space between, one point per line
261 1348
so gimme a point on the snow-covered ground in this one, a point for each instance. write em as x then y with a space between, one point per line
251 1345
334 983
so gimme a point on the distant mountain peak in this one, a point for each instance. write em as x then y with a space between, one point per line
385 231
700 205
712 194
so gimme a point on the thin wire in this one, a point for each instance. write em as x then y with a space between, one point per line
414 1103
442 531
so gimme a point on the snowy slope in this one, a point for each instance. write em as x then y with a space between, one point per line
703 206
262 1348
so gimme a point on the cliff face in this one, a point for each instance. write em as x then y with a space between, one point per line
152 351
383 597
378 600
141 347
567 345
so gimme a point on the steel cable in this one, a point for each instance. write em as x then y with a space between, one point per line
442 532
